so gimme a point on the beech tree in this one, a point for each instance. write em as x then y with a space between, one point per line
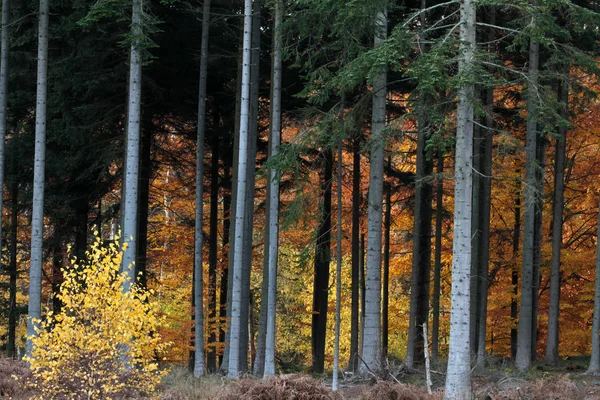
458 378
37 219
371 346
199 366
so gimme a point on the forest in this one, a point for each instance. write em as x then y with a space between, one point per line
337 188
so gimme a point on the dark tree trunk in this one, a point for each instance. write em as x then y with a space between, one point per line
224 258
212 253
421 264
356 195
12 285
143 203
322 260
514 308
439 198
387 222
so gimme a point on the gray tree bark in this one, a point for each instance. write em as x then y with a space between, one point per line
274 192
37 219
133 146
594 366
557 229
458 378
524 342
240 205
199 363
371 346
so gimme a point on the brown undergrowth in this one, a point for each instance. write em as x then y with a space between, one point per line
15 379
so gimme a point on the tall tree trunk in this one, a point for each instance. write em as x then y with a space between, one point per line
514 308
485 201
435 306
250 180
199 362
537 241
524 344
240 217
133 145
143 203
3 100
371 347
557 228
322 260
387 223
355 284
224 284
594 366
338 270
475 232
274 141
12 285
421 261
458 379
37 219
212 251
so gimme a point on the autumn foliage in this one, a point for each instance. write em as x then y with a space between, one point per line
104 343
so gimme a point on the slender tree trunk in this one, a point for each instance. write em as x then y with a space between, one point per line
212 252
537 242
524 345
338 270
475 233
240 217
439 199
12 285
387 223
133 146
223 288
143 203
37 219
322 261
557 228
250 180
274 192
363 290
371 347
594 366
458 379
514 308
421 261
199 362
485 201
3 100
356 195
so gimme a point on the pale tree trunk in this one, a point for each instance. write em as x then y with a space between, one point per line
274 193
435 306
37 219
245 337
523 358
557 228
485 201
371 346
233 199
338 269
133 146
594 366
240 205
199 365
458 379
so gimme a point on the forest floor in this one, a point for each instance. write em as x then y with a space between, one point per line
566 381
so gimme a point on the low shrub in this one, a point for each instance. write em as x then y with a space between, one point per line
285 387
